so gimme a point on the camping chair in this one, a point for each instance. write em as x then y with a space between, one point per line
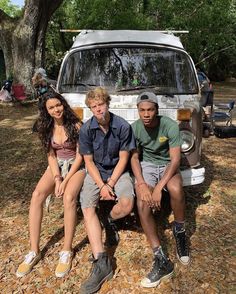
19 92
223 113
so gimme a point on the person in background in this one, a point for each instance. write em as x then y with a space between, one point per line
155 164
7 84
202 77
6 90
58 128
40 82
207 97
106 141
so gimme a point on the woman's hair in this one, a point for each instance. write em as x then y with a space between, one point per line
45 123
98 93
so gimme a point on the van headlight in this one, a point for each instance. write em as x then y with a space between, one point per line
184 114
188 140
79 112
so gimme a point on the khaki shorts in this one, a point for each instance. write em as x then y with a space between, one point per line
90 193
152 173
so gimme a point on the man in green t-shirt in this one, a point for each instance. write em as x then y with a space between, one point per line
155 165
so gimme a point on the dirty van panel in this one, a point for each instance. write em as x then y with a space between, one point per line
127 63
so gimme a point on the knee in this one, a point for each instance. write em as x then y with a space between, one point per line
37 198
176 191
126 205
88 213
69 200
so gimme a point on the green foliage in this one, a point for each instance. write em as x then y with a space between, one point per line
111 14
10 9
56 42
211 24
84 14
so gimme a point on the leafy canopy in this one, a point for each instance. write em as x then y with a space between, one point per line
211 24
10 9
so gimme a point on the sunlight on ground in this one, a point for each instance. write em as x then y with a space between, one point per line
18 124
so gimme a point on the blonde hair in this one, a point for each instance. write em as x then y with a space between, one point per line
98 93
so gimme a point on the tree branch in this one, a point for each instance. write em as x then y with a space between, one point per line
193 12
218 51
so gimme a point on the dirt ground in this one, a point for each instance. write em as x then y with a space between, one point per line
210 221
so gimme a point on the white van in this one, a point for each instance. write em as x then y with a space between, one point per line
129 62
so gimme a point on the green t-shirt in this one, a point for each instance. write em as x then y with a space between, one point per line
154 143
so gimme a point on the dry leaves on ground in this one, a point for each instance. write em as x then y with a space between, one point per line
210 223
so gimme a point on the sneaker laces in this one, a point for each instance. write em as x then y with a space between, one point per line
155 266
96 269
29 257
181 243
64 256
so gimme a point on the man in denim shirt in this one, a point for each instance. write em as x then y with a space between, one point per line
105 142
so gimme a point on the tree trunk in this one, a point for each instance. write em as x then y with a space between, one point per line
7 26
22 40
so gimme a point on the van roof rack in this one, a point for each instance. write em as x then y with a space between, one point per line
70 31
171 32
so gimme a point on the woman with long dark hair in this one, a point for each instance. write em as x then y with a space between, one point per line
58 128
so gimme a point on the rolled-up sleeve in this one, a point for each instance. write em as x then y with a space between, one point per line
127 138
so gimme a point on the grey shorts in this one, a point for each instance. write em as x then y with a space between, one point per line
90 193
152 173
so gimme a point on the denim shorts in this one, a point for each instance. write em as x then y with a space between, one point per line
90 193
152 173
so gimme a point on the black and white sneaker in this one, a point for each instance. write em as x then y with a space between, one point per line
182 248
162 268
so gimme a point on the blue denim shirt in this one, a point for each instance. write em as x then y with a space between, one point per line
105 148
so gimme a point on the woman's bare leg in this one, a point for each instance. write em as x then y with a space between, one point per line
70 203
44 188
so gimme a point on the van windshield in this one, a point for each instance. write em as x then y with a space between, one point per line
127 69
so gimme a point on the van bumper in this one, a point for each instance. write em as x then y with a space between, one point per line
193 176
